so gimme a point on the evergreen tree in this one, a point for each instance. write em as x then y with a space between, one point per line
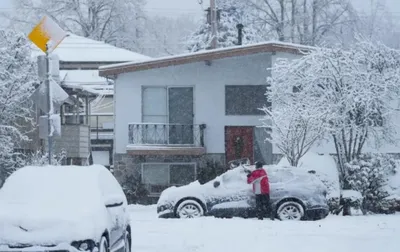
232 13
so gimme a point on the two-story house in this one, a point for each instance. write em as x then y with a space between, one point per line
87 117
174 113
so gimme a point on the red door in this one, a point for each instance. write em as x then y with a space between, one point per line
239 143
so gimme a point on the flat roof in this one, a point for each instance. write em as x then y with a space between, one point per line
207 55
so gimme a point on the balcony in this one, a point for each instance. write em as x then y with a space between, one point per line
166 139
102 127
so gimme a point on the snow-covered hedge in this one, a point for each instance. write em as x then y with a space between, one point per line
369 174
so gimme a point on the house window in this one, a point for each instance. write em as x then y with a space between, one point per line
245 99
154 104
159 176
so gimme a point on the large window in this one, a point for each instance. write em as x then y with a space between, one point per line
159 176
245 99
167 113
154 106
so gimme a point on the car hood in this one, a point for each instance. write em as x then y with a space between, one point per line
173 193
34 225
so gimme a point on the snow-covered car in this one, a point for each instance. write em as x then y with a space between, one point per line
295 195
63 208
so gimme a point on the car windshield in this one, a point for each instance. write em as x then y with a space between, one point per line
44 186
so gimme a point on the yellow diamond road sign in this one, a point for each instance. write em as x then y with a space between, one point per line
47 32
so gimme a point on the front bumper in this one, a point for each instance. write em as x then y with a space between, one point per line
37 248
165 211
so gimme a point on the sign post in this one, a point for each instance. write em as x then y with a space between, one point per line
47 35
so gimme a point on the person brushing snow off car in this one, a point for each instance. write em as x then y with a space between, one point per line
259 179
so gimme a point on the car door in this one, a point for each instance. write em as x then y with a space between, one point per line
115 203
280 184
233 194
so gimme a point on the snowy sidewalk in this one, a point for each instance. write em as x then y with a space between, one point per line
344 234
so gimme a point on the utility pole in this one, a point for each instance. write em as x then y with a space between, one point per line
49 102
213 15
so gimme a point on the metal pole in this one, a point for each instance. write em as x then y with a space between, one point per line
213 15
47 81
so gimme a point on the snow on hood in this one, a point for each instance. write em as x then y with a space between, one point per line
203 192
51 205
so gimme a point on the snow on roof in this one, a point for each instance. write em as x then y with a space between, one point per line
270 46
86 77
88 80
75 48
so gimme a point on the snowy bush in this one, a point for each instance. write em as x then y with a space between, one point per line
39 158
133 188
368 174
350 201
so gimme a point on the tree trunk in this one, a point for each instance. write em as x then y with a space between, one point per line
293 21
314 21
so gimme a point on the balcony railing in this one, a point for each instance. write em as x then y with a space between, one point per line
166 134
102 127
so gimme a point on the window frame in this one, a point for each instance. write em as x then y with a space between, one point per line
169 170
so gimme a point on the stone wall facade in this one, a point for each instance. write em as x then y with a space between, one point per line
129 166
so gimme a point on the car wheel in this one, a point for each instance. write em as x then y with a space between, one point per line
290 210
127 247
103 245
188 209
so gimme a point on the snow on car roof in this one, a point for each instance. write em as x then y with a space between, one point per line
57 184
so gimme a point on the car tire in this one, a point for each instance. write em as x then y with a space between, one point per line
290 210
128 241
103 245
189 209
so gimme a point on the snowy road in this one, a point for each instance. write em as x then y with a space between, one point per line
344 234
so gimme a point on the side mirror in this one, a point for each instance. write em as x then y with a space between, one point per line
216 184
114 201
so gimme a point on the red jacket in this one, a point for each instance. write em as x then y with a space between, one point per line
259 179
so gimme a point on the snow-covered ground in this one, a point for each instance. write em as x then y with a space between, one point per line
207 234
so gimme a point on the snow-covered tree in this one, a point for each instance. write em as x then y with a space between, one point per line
232 13
306 22
294 125
118 22
379 23
356 90
18 78
165 36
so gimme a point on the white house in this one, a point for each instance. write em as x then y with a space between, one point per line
174 113
74 66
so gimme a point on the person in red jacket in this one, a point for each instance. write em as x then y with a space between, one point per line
259 179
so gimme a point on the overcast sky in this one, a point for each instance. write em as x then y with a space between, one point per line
177 7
